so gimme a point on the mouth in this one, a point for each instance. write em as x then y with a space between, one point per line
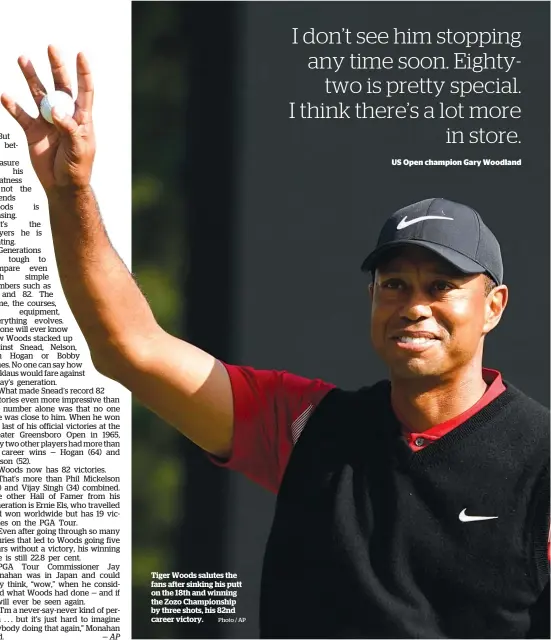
417 342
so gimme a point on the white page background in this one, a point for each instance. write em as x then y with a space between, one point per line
103 32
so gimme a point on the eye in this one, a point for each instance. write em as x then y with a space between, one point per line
442 285
392 284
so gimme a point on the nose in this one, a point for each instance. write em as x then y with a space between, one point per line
416 307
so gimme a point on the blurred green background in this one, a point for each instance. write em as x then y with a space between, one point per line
182 182
159 265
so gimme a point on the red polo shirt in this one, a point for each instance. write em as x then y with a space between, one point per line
418 441
272 407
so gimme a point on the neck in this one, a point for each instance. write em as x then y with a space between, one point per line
425 402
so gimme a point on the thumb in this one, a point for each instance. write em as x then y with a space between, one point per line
64 123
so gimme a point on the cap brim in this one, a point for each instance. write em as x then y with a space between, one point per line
458 260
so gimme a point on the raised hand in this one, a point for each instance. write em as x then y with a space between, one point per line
62 153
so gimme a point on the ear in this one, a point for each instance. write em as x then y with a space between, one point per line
495 306
371 290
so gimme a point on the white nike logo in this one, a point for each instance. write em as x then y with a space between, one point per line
405 222
465 518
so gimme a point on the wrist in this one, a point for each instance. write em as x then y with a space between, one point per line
58 193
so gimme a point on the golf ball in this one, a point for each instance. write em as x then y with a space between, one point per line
61 101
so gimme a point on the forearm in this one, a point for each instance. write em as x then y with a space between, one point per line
108 306
184 385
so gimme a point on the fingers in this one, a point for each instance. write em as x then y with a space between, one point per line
62 81
38 90
17 112
65 125
85 97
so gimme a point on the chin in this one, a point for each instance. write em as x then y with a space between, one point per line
411 372
415 368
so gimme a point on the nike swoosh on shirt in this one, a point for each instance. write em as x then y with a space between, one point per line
465 518
405 222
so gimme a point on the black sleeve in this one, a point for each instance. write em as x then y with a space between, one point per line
540 615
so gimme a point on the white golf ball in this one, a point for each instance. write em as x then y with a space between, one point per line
61 101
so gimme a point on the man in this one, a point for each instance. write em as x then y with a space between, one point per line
414 508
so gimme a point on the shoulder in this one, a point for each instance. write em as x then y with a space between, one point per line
526 408
377 393
342 409
281 401
270 409
525 423
275 381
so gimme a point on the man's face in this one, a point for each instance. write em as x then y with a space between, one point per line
428 319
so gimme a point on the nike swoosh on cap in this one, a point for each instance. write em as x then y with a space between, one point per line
465 518
405 222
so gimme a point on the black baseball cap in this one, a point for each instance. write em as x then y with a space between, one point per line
452 230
